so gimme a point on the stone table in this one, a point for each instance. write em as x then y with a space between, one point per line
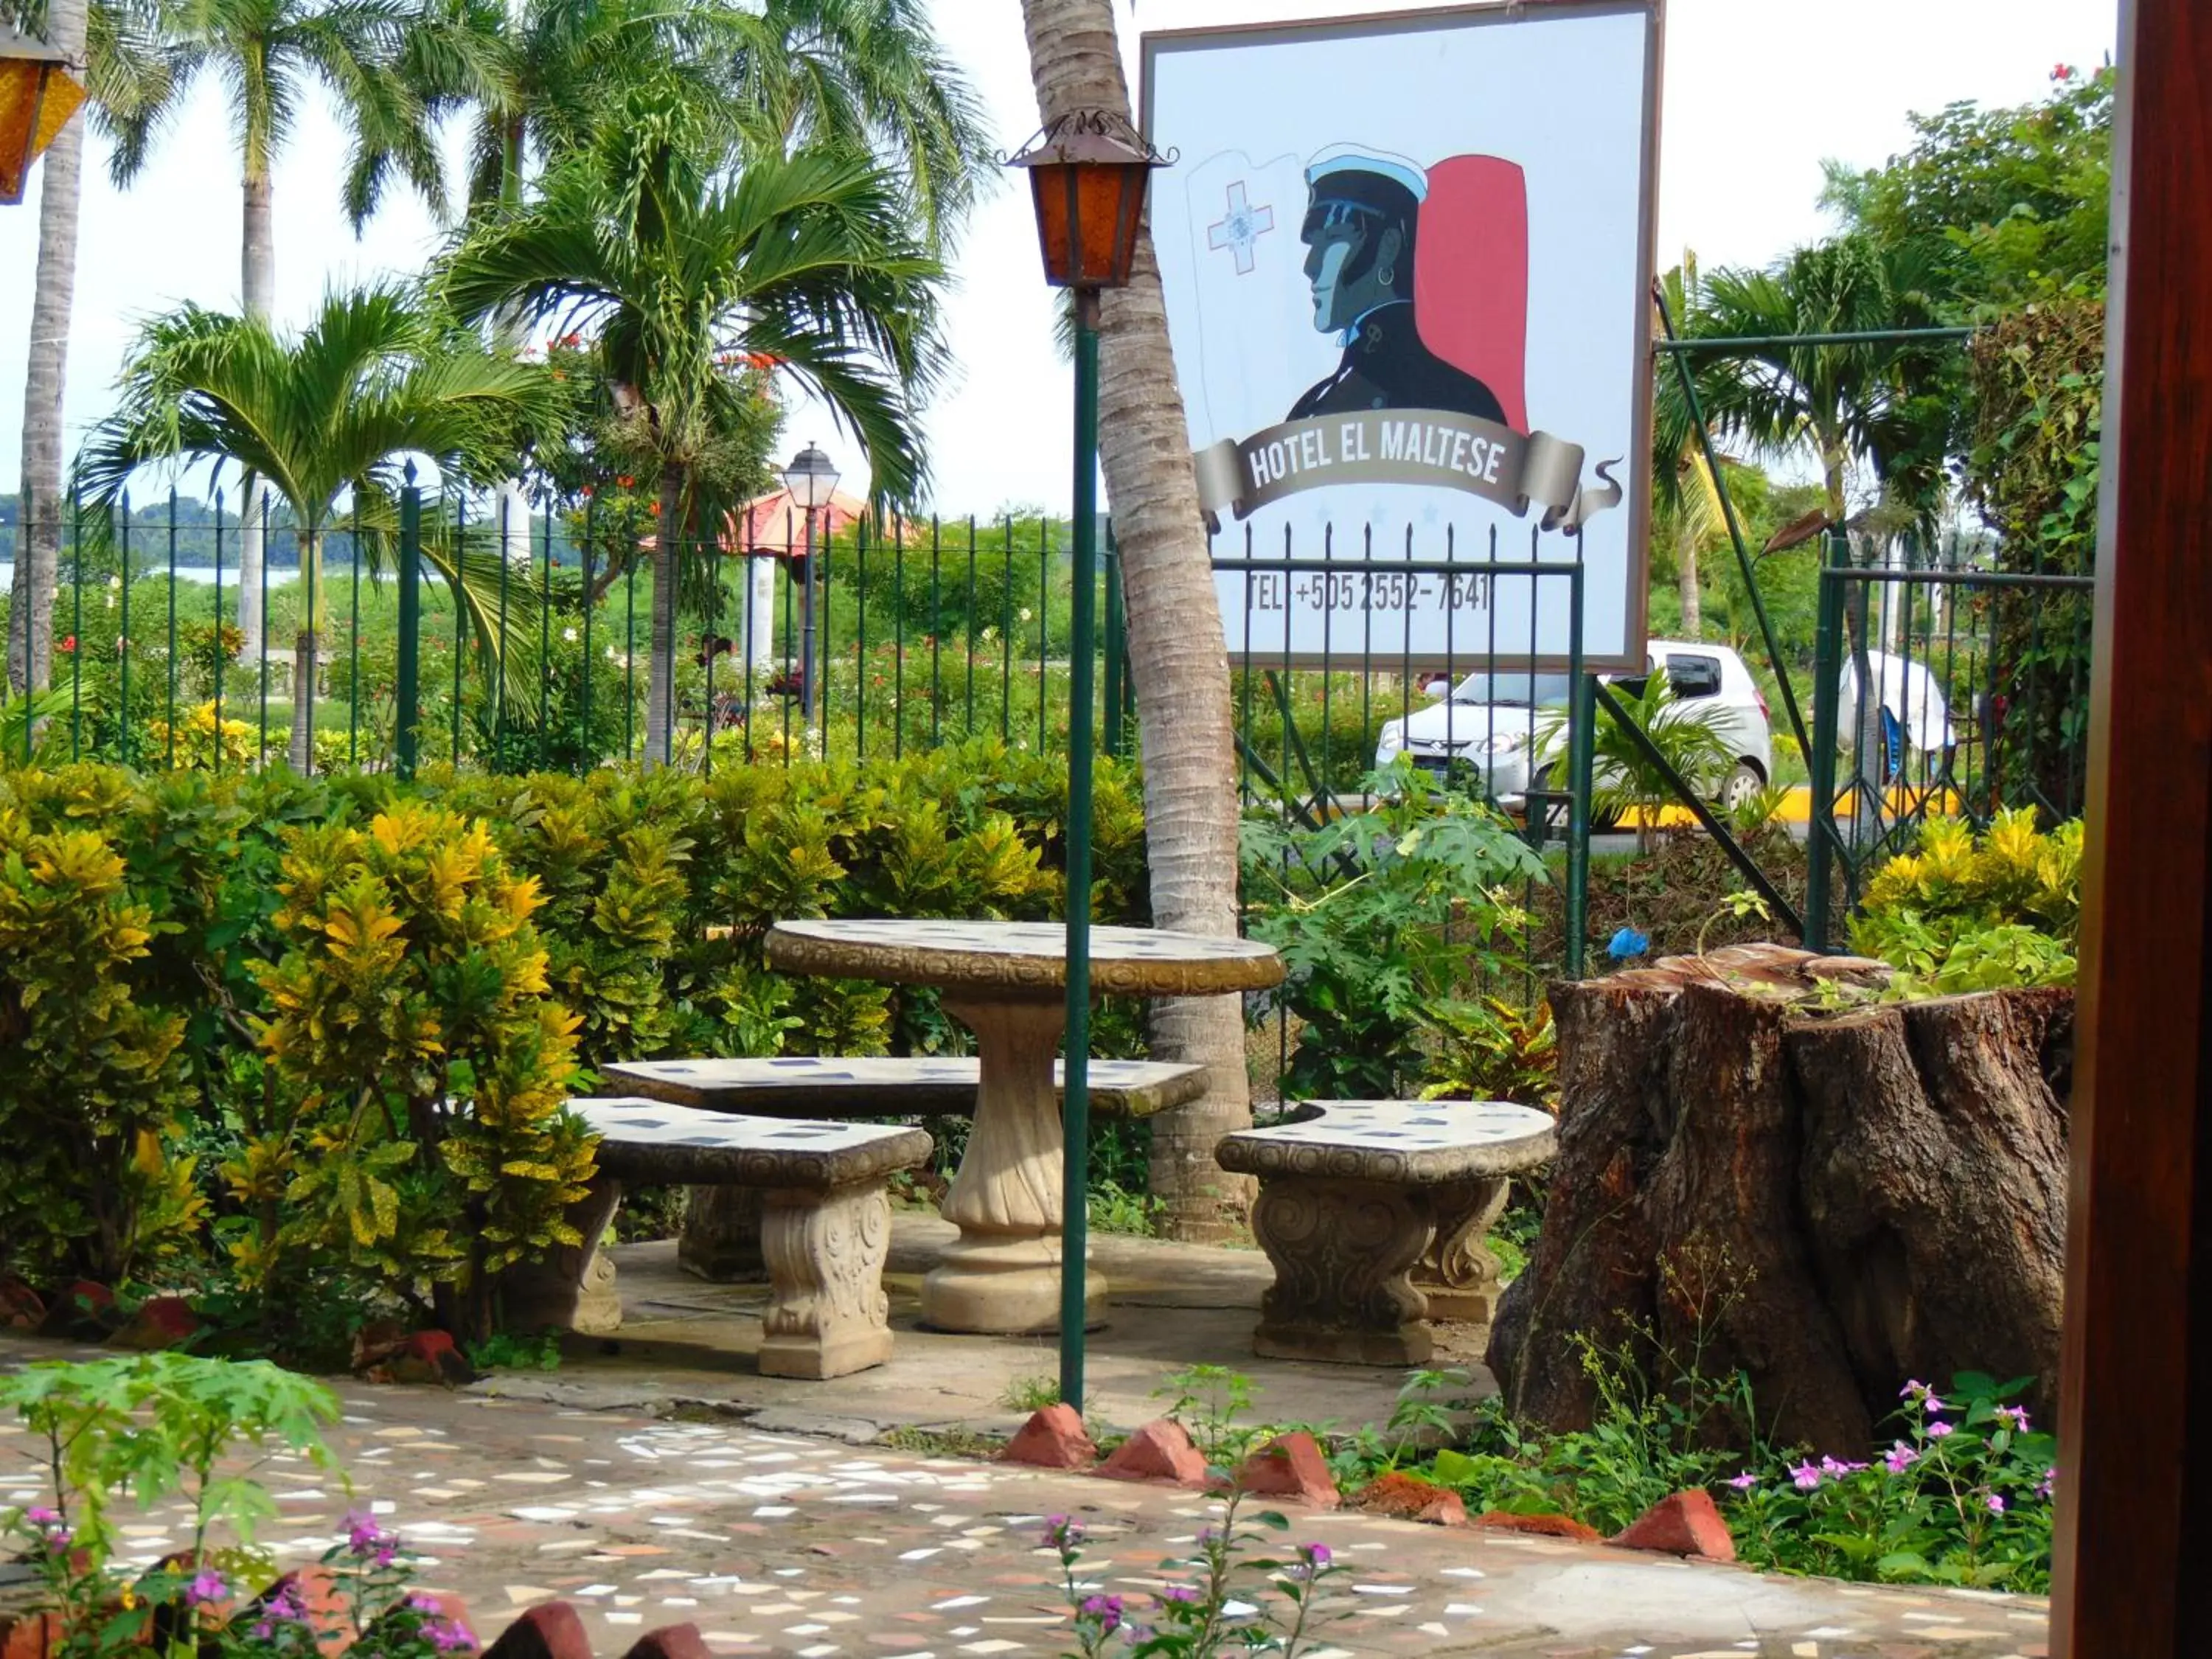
1373 1212
1006 981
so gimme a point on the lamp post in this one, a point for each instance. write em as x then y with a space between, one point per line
38 96
1088 173
810 480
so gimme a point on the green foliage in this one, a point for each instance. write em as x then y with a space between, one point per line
2014 202
162 1424
1971 913
167 1425
1962 1496
1628 784
505 1351
2038 388
1491 1050
280 1144
1645 1441
1030 1393
421 1064
96 1080
1382 917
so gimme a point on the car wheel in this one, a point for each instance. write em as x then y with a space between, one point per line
1741 786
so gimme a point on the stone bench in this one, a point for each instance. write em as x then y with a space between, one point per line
1373 1212
805 1085
825 1224
720 1240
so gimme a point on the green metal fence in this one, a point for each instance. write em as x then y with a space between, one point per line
1941 687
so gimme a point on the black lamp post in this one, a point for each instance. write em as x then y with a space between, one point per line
38 96
1088 173
810 480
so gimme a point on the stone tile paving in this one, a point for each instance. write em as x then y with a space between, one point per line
778 1544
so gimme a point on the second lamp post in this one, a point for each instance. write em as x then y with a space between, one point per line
811 481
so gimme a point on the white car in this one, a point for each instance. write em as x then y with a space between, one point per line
1509 725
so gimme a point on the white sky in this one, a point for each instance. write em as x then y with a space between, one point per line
1757 93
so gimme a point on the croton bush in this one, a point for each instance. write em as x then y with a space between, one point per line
303 1043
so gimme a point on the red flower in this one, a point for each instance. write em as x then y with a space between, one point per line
68 644
653 509
763 360
587 492
625 481
2061 72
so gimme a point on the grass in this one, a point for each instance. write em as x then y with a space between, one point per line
1030 1393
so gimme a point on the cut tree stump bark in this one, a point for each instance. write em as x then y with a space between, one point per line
1832 1202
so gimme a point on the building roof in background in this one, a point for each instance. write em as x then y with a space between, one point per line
774 524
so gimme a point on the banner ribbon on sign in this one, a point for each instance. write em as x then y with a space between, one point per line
1407 446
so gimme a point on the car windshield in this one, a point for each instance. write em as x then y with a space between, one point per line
1513 691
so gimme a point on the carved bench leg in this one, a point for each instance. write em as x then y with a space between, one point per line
720 1238
573 1287
827 1312
1457 1273
1342 1252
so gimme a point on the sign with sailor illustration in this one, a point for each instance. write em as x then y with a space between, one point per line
1407 262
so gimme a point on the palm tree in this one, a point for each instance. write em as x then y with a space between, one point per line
111 41
1844 403
1850 402
539 78
265 52
688 259
1179 660
1682 484
372 380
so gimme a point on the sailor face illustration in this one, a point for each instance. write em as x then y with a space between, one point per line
1358 234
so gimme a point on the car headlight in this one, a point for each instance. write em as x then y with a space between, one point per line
1390 740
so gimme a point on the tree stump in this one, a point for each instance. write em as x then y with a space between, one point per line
1832 1202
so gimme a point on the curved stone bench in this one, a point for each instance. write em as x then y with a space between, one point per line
1373 1212
720 1240
824 1086
825 1223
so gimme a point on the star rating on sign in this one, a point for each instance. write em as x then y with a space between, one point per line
1240 229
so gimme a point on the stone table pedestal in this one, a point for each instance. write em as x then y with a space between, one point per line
1006 981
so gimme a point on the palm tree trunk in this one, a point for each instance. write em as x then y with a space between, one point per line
659 680
1179 661
38 555
1686 578
304 676
257 288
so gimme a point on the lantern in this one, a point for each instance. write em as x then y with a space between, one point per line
1088 171
38 96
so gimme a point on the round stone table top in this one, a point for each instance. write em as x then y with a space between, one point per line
1009 958
1422 1143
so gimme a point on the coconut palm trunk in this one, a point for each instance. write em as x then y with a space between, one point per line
305 649
1179 661
661 675
1686 562
256 292
38 557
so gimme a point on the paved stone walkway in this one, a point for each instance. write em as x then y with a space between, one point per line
776 1543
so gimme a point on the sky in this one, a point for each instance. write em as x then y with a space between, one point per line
1756 94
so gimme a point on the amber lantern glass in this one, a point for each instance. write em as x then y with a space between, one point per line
1087 173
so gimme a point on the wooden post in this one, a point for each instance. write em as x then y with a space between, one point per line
2134 1495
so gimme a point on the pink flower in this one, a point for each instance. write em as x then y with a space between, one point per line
1106 1610
207 1585
1997 1504
2016 1415
1807 1475
1836 1470
1182 1592
2049 1480
1899 1458
1938 1430
1317 1554
1745 1481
